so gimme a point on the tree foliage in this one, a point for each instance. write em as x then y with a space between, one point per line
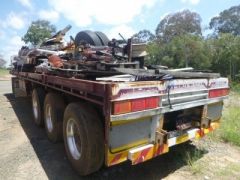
181 51
228 21
178 24
179 43
225 54
38 31
2 61
143 36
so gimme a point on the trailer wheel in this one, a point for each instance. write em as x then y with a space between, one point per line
83 138
38 96
54 106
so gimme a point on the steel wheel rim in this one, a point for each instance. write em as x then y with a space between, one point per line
73 139
48 117
35 106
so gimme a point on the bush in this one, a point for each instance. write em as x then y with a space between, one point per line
235 86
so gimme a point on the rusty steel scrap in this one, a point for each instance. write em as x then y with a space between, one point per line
91 55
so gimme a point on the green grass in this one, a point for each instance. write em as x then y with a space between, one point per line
229 130
3 72
235 87
191 160
230 126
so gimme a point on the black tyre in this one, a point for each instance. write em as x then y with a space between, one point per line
38 96
103 38
83 138
54 107
88 37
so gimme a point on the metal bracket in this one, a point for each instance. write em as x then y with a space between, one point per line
161 137
205 123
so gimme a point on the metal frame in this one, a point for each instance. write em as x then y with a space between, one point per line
96 92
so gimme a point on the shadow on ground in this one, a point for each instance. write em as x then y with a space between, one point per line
55 163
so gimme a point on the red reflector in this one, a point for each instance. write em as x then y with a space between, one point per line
138 104
121 107
152 102
218 93
126 106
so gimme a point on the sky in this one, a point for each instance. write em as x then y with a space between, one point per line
109 16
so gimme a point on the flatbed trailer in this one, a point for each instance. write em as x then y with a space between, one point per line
109 122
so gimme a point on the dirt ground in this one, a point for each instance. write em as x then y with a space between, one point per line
26 153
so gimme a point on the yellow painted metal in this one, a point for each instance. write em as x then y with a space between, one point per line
118 157
121 122
130 145
182 139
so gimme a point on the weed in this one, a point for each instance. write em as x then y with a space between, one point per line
230 123
191 160
230 127
235 86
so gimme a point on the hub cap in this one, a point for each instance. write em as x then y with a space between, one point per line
48 117
35 106
73 139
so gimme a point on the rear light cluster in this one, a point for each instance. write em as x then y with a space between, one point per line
218 92
126 106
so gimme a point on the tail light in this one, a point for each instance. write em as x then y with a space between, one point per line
152 102
218 92
121 107
138 104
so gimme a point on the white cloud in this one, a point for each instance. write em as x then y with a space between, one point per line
25 3
126 32
83 12
16 41
14 21
194 2
49 15
12 47
2 35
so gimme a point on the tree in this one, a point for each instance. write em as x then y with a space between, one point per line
181 51
225 54
143 36
2 61
38 31
178 24
228 21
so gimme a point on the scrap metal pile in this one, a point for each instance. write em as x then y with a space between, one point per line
91 55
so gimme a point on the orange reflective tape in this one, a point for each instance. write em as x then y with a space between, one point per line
201 132
211 128
159 150
115 159
143 155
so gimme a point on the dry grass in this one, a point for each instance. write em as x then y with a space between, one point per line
3 72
